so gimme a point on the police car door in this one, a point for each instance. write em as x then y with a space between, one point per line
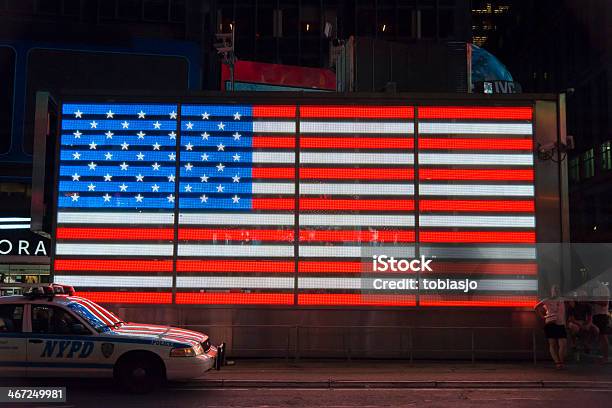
60 344
12 340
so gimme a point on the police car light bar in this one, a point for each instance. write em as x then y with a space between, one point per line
41 289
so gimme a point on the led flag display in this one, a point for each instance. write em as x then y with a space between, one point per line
274 204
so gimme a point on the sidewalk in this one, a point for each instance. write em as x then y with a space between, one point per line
403 374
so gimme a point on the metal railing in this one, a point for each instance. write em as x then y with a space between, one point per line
293 344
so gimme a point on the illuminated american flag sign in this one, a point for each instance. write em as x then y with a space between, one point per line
274 204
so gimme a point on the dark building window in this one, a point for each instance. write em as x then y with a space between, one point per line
606 155
7 74
156 10
588 163
574 169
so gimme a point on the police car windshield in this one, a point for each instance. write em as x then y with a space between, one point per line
96 322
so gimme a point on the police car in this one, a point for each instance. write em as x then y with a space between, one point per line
50 332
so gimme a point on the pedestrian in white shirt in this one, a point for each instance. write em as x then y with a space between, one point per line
552 310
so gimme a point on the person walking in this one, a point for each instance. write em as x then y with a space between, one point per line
601 317
552 310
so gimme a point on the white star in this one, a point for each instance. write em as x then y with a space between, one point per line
221 126
124 166
139 198
171 178
205 116
236 136
140 156
170 198
108 156
109 114
75 177
108 177
125 124
155 188
78 114
109 134
237 116
205 136
141 134
157 125
91 187
156 146
236 157
173 115
76 156
94 124
139 177
188 167
141 114
77 134
235 199
123 187
106 197
172 156
204 157
220 167
236 178
203 198
124 146
189 146
204 178
75 197
189 126
220 188
92 145
188 188
155 166
92 166
220 147
172 135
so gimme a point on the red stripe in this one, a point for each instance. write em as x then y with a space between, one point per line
207 234
116 234
128 297
355 299
477 205
356 236
307 173
196 265
273 142
112 265
463 112
99 309
329 267
273 111
478 301
273 172
355 205
484 268
235 298
478 174
478 237
475 144
356 143
357 112
273 203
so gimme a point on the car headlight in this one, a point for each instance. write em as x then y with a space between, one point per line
187 351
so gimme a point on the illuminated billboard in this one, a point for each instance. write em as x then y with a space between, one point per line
242 204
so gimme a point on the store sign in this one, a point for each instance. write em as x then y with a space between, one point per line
23 244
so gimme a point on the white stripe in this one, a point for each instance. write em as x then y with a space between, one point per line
513 190
273 188
342 251
14 226
345 220
273 157
476 221
113 249
115 281
356 158
366 283
476 159
356 189
235 219
273 127
132 218
15 219
479 252
307 126
251 282
236 250
475 128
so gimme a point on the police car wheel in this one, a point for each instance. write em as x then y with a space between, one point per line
139 372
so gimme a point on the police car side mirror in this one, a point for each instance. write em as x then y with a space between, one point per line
78 328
